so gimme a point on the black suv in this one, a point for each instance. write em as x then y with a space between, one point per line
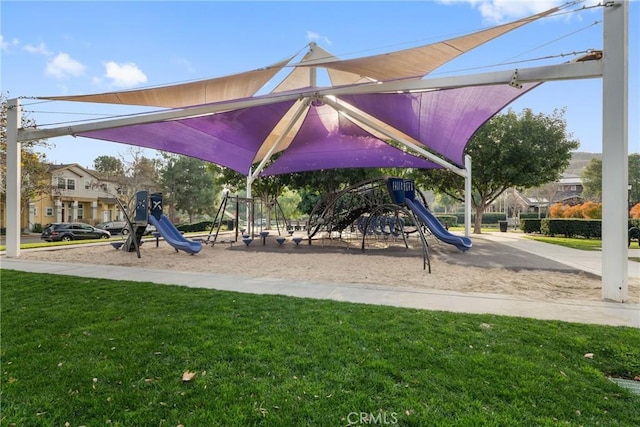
67 231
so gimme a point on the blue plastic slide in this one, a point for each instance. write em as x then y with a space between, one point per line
438 230
171 234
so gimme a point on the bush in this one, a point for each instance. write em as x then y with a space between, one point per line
37 228
634 212
195 227
571 227
448 220
532 215
530 225
487 218
587 210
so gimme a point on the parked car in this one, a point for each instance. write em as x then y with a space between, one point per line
114 227
67 231
150 229
147 231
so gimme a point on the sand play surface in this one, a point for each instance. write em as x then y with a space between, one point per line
489 267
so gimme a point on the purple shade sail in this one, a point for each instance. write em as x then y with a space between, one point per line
442 120
328 140
230 139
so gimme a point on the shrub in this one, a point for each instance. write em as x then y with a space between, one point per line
530 225
635 211
487 218
592 210
37 228
198 226
532 215
447 220
557 210
571 227
587 210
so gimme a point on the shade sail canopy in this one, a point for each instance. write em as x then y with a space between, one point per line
185 94
302 127
440 121
409 63
420 61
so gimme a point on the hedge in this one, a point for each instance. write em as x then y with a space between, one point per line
447 220
532 215
487 218
530 225
198 226
572 227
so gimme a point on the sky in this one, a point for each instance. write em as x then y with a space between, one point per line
81 47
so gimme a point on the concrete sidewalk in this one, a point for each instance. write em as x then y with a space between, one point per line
589 261
594 312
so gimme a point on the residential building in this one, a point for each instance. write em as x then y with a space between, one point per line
77 194
567 190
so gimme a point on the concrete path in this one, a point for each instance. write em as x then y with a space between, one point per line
594 312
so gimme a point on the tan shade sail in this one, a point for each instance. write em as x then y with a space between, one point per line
302 76
188 94
419 61
409 63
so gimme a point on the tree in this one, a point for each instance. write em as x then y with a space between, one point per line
510 150
592 179
132 172
543 192
109 166
35 180
188 185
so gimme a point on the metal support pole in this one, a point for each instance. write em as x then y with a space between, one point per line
615 151
14 118
467 196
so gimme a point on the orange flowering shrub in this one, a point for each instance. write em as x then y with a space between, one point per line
573 212
635 211
587 210
556 210
592 210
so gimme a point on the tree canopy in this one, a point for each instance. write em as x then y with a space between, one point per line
35 179
511 150
188 184
592 179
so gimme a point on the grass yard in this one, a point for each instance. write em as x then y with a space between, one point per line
575 243
96 352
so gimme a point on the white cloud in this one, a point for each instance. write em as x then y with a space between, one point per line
124 75
62 65
186 64
498 11
313 36
41 49
6 45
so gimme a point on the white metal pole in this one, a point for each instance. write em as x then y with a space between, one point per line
615 151
14 118
467 196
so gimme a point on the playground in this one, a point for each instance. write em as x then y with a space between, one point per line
491 267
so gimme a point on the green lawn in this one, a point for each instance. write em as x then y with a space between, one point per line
582 244
98 352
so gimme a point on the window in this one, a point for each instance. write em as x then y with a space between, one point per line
573 188
49 212
87 185
80 210
62 183
71 184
